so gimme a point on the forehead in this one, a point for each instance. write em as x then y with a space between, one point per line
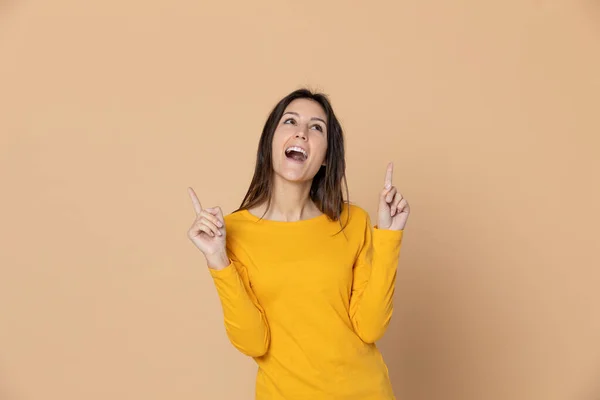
306 108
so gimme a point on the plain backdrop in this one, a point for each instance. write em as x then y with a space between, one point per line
110 109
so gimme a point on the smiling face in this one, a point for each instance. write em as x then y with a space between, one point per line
300 135
300 141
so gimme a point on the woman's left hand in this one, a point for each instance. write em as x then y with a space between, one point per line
393 209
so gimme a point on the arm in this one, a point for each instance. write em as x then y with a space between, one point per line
245 321
371 302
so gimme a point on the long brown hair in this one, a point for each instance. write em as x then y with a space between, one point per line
327 188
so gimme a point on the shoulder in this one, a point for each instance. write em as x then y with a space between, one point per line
356 212
239 230
234 217
356 216
237 221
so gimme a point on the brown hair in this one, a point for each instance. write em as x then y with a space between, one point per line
327 186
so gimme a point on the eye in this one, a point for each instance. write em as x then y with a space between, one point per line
318 127
289 120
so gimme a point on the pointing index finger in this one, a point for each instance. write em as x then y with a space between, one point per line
195 201
388 175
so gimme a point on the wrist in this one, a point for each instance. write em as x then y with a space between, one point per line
218 260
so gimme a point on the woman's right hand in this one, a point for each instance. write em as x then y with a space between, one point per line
208 233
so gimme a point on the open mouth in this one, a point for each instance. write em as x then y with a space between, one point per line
296 153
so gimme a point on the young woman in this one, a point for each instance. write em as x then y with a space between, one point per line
306 283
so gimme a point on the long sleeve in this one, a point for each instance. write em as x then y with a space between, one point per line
245 321
371 302
326 294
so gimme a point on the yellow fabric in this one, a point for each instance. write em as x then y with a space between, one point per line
308 303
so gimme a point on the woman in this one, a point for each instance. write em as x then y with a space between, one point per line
306 284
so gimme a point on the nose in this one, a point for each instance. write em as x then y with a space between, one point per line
301 134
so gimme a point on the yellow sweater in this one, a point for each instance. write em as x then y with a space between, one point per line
308 304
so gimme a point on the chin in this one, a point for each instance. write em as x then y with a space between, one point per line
294 176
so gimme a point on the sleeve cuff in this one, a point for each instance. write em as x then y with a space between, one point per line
387 234
223 274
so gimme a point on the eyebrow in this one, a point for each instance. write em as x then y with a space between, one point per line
312 119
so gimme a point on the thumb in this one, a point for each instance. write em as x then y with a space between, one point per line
217 212
384 192
382 197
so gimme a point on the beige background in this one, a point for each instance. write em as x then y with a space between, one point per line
110 109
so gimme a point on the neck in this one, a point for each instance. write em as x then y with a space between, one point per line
290 201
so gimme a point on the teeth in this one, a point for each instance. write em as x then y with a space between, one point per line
298 149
